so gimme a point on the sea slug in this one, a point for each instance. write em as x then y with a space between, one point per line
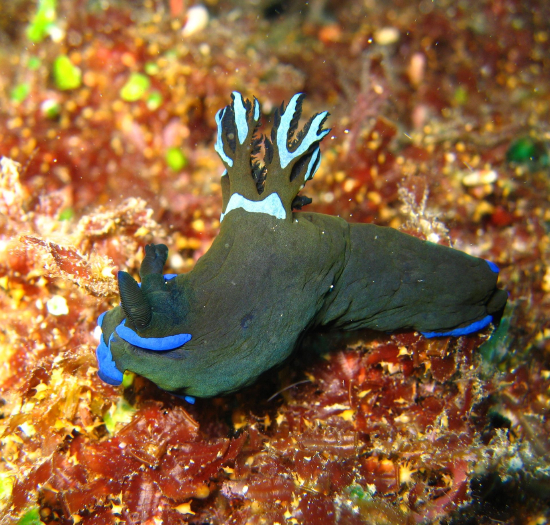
272 273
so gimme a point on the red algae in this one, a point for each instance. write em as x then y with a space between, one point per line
358 428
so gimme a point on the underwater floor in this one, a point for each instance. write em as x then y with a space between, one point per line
440 128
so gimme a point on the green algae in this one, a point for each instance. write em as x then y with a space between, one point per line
66 75
20 92
31 517
460 96
151 68
175 159
121 413
66 215
50 109
154 100
34 63
527 150
43 22
7 480
135 88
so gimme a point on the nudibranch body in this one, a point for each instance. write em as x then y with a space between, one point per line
272 273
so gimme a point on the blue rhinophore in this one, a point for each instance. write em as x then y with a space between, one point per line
170 342
465 330
108 372
493 266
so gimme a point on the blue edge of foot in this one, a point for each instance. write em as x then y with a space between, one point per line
465 330
110 374
471 328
